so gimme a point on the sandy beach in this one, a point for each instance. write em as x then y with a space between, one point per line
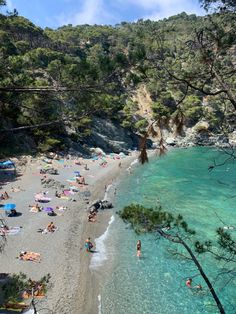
73 288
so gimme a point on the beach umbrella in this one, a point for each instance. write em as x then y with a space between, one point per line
8 207
48 209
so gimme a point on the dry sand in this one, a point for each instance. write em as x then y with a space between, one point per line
73 289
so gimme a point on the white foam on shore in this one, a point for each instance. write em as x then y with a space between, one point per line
106 192
100 256
99 304
134 162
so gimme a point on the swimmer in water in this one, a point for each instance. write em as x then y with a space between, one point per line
138 247
189 284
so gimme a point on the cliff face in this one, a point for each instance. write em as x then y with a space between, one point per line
111 137
193 134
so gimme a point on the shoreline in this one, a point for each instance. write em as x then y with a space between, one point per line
88 289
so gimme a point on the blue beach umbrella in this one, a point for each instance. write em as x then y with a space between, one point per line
8 207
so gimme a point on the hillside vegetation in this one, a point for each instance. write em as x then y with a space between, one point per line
53 82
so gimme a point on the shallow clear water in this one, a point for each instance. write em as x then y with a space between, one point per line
181 183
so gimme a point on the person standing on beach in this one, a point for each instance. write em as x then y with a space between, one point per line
88 245
138 247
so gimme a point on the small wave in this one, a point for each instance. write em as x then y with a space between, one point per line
106 192
99 304
134 162
100 256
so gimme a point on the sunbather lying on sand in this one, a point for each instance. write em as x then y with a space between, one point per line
5 230
30 256
35 208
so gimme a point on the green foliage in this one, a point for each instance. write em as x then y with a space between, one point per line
226 241
18 283
102 66
160 110
222 5
141 125
192 109
49 144
144 219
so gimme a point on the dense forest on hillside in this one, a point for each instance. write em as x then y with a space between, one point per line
53 82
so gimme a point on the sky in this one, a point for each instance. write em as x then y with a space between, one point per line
55 13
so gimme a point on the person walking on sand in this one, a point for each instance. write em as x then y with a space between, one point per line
138 247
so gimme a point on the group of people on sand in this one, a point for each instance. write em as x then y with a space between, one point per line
36 289
92 216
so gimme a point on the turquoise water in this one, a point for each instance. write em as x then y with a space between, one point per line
181 183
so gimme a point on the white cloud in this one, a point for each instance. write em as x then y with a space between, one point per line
158 9
173 7
91 12
106 12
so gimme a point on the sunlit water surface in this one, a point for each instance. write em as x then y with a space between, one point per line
155 284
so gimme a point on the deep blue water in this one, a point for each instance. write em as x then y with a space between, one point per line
181 183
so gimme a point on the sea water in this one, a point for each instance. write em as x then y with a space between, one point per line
155 284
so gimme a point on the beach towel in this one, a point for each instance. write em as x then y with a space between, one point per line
61 208
68 192
64 198
11 231
16 305
34 209
45 231
41 198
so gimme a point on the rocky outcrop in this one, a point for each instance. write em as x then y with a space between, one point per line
111 137
199 135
